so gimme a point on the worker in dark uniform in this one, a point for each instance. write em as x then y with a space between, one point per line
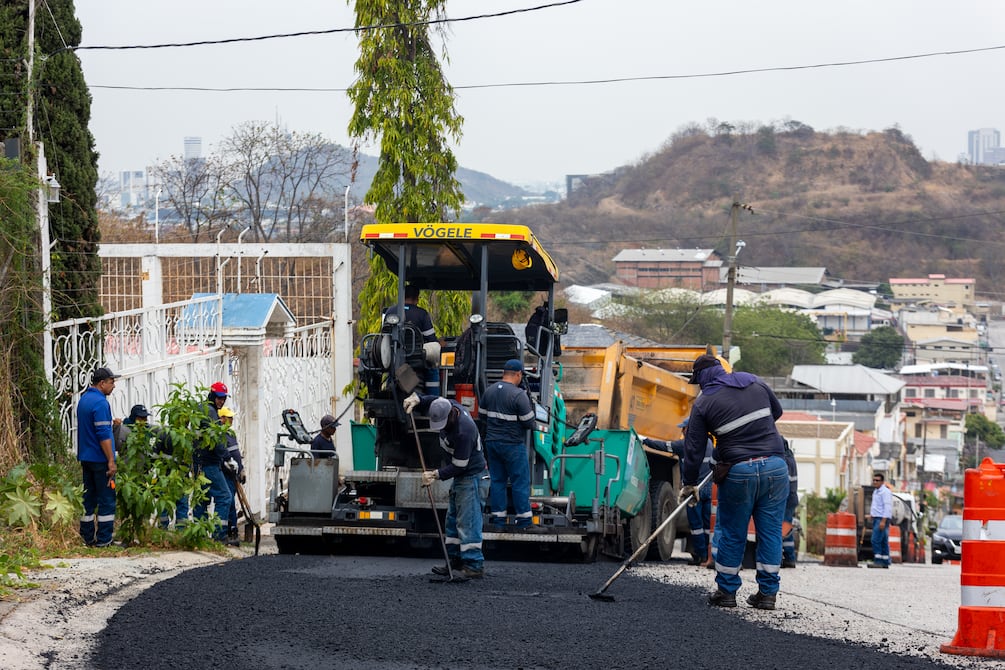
699 517
323 446
739 410
459 437
420 318
210 455
791 503
509 415
233 472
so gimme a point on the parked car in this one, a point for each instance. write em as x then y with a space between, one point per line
947 539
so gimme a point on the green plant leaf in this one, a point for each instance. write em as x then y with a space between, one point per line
21 507
62 510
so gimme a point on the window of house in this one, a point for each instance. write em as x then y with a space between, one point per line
929 393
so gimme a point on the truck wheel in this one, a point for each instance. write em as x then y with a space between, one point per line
639 527
663 502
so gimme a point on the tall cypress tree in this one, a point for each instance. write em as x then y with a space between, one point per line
62 113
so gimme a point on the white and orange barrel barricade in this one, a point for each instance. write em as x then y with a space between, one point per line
840 543
896 555
981 627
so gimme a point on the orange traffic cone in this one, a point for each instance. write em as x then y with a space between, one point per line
981 627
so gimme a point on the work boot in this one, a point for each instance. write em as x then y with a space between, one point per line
879 565
697 559
722 599
441 570
531 528
472 573
788 563
761 601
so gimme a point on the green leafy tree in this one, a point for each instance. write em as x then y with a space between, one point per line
402 100
63 111
982 434
772 340
881 348
672 319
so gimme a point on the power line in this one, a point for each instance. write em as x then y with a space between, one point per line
575 82
331 31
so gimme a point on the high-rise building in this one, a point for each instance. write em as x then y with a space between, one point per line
193 148
984 146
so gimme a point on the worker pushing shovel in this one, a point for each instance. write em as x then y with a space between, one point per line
458 434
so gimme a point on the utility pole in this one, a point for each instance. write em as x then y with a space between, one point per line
734 249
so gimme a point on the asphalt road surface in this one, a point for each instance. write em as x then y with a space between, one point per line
316 612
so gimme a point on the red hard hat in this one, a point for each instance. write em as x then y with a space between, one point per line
219 388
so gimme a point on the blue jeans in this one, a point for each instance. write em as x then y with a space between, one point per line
180 515
508 461
232 518
756 489
789 540
464 522
221 497
699 518
99 505
880 542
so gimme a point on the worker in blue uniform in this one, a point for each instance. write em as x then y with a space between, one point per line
880 512
96 453
791 503
460 439
699 517
509 415
739 410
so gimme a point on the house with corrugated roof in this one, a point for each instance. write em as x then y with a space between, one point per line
867 398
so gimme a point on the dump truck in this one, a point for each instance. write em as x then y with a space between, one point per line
594 487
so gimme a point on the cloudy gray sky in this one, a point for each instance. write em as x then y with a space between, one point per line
528 133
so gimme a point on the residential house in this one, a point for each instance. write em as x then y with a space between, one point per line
866 398
695 269
823 449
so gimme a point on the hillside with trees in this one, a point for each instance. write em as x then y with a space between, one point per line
865 205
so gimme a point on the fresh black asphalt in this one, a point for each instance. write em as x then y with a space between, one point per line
317 612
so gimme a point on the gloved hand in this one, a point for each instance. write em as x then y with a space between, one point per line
231 465
685 492
410 403
648 442
243 477
430 476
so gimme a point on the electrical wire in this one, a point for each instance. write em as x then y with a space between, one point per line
331 31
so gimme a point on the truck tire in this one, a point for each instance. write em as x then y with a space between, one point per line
664 501
640 527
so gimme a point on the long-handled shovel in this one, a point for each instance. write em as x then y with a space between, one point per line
451 577
248 516
600 595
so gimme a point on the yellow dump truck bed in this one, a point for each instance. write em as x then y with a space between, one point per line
630 387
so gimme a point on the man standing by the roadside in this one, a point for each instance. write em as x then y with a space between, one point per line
880 513
96 453
509 416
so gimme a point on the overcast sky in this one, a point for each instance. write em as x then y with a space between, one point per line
524 134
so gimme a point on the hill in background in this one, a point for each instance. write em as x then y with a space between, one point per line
867 206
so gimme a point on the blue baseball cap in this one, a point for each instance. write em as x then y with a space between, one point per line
513 365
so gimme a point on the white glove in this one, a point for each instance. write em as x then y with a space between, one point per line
689 492
429 476
231 465
410 403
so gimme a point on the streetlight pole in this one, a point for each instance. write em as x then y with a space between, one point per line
157 216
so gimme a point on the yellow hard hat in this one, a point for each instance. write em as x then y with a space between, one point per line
225 413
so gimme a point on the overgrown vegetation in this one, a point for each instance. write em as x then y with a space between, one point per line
39 512
155 471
